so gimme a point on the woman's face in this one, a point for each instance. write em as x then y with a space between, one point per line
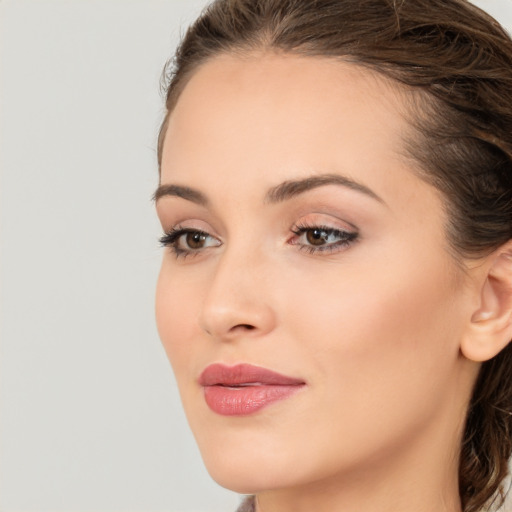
301 241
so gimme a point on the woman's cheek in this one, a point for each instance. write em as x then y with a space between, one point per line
374 310
176 311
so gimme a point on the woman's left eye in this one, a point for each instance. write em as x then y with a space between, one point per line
322 238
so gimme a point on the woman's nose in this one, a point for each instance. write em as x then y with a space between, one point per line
238 302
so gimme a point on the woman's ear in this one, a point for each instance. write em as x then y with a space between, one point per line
490 328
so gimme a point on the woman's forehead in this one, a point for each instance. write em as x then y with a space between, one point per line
286 79
273 118
285 101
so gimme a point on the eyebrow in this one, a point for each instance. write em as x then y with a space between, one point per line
190 194
292 188
277 194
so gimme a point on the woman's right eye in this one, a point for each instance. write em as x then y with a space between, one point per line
187 241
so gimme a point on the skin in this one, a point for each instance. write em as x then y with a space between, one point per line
374 327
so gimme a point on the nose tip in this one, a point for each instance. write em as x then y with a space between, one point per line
237 303
234 318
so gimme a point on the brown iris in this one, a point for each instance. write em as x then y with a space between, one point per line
195 240
317 236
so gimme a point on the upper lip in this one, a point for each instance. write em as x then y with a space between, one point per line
244 374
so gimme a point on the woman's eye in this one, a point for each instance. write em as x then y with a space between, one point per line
321 238
185 241
188 241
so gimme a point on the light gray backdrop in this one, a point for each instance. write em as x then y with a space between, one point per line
90 418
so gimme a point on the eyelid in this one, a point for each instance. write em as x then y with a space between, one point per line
346 236
325 220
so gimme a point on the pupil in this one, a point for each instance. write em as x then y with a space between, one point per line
195 240
316 237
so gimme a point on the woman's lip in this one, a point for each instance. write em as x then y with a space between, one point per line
245 400
245 389
244 375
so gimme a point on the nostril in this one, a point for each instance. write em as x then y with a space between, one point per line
248 327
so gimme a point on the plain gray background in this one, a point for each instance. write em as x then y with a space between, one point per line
90 418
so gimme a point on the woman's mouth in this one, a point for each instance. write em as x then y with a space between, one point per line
244 389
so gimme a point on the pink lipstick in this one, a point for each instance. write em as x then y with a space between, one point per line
244 389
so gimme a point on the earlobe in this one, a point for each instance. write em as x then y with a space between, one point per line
490 328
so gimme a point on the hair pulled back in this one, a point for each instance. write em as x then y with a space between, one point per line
459 60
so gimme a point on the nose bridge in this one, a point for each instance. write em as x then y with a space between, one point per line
238 300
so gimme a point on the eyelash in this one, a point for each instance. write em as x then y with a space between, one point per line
171 239
346 238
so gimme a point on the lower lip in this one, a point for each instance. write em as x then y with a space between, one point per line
245 400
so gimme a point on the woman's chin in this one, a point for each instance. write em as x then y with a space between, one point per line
246 474
243 475
239 484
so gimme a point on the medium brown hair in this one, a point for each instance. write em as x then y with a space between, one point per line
459 60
